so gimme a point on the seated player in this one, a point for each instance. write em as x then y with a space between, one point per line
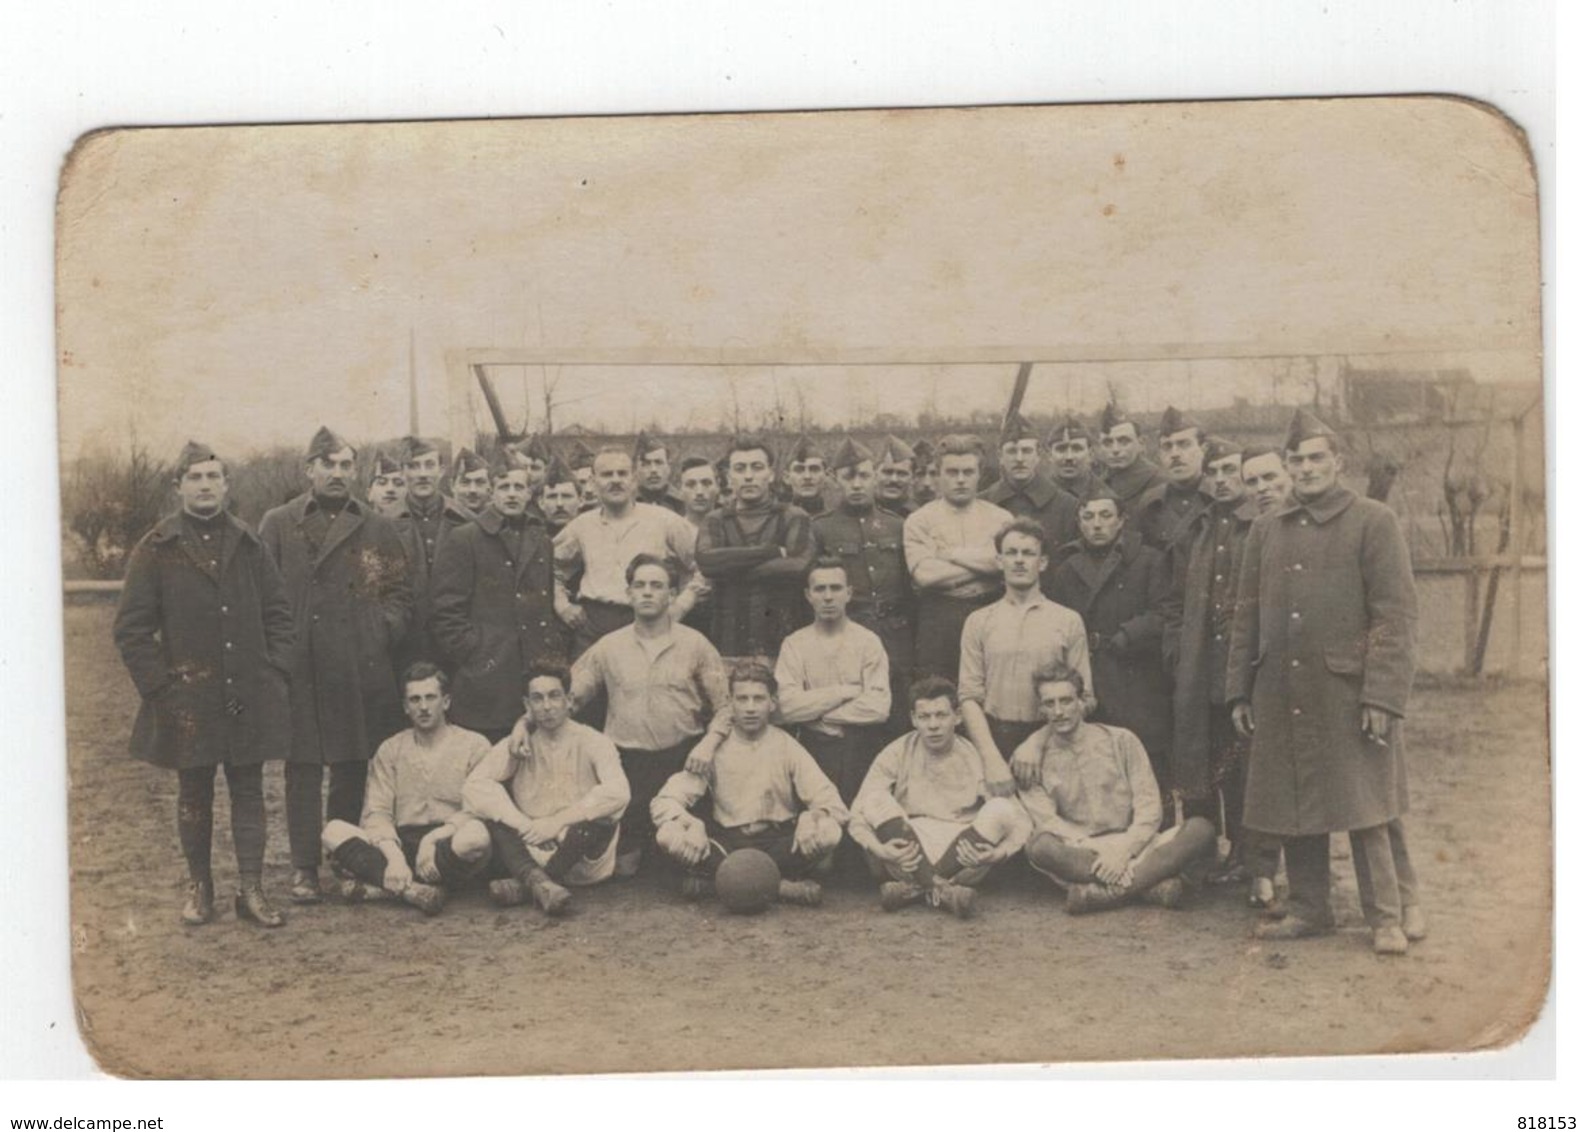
766 792
924 814
1097 811
552 810
415 840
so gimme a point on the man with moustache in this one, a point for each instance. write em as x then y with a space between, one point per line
415 841
1208 755
868 541
494 612
1319 673
1128 472
1070 449
1122 588
754 551
1006 643
804 477
558 498
1097 810
894 477
1023 491
833 681
653 466
471 481
205 630
1266 478
599 544
951 558
346 576
425 522
1168 512
387 487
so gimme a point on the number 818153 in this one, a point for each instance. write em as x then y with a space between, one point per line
1545 1123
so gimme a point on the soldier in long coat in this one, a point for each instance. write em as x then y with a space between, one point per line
1121 589
1319 672
1022 490
1126 469
347 580
1209 757
425 521
1166 513
493 601
206 632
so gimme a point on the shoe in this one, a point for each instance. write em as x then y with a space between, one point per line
550 896
354 891
1262 894
897 894
427 898
508 892
1092 897
200 906
956 898
1414 923
1168 893
1292 927
698 887
805 892
253 904
1389 940
305 886
628 864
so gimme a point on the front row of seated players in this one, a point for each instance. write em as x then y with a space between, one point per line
440 799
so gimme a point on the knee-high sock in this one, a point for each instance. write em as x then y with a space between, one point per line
246 786
360 859
583 841
949 868
898 829
1195 839
1070 864
195 809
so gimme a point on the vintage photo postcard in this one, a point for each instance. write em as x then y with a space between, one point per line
876 588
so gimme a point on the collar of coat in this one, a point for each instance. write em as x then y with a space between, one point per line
491 521
1095 571
1328 506
1040 491
1164 491
448 506
1134 479
170 527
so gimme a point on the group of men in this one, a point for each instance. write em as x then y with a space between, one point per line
1090 658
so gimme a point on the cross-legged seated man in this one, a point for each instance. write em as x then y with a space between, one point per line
766 792
1097 811
553 809
924 814
415 840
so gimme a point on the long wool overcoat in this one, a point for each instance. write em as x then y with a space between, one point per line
422 556
207 636
493 615
1199 631
1125 593
1324 625
351 605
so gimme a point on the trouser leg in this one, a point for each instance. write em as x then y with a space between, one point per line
345 799
246 786
195 810
1309 879
304 813
1194 840
1375 876
647 772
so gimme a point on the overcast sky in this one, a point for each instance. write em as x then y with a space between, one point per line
245 285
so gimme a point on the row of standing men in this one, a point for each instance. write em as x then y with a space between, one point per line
1149 558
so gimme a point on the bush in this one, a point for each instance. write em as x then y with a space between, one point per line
111 501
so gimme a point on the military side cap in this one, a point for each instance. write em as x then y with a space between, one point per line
469 461
1306 426
324 443
1113 416
1018 429
193 453
850 454
1175 421
534 448
644 444
804 449
1257 450
557 472
580 456
386 465
1069 427
1220 448
415 446
924 452
894 451
508 459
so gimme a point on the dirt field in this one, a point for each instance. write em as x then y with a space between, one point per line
636 979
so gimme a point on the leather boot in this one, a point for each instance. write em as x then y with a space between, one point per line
253 904
200 906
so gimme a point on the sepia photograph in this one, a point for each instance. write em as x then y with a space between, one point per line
927 587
